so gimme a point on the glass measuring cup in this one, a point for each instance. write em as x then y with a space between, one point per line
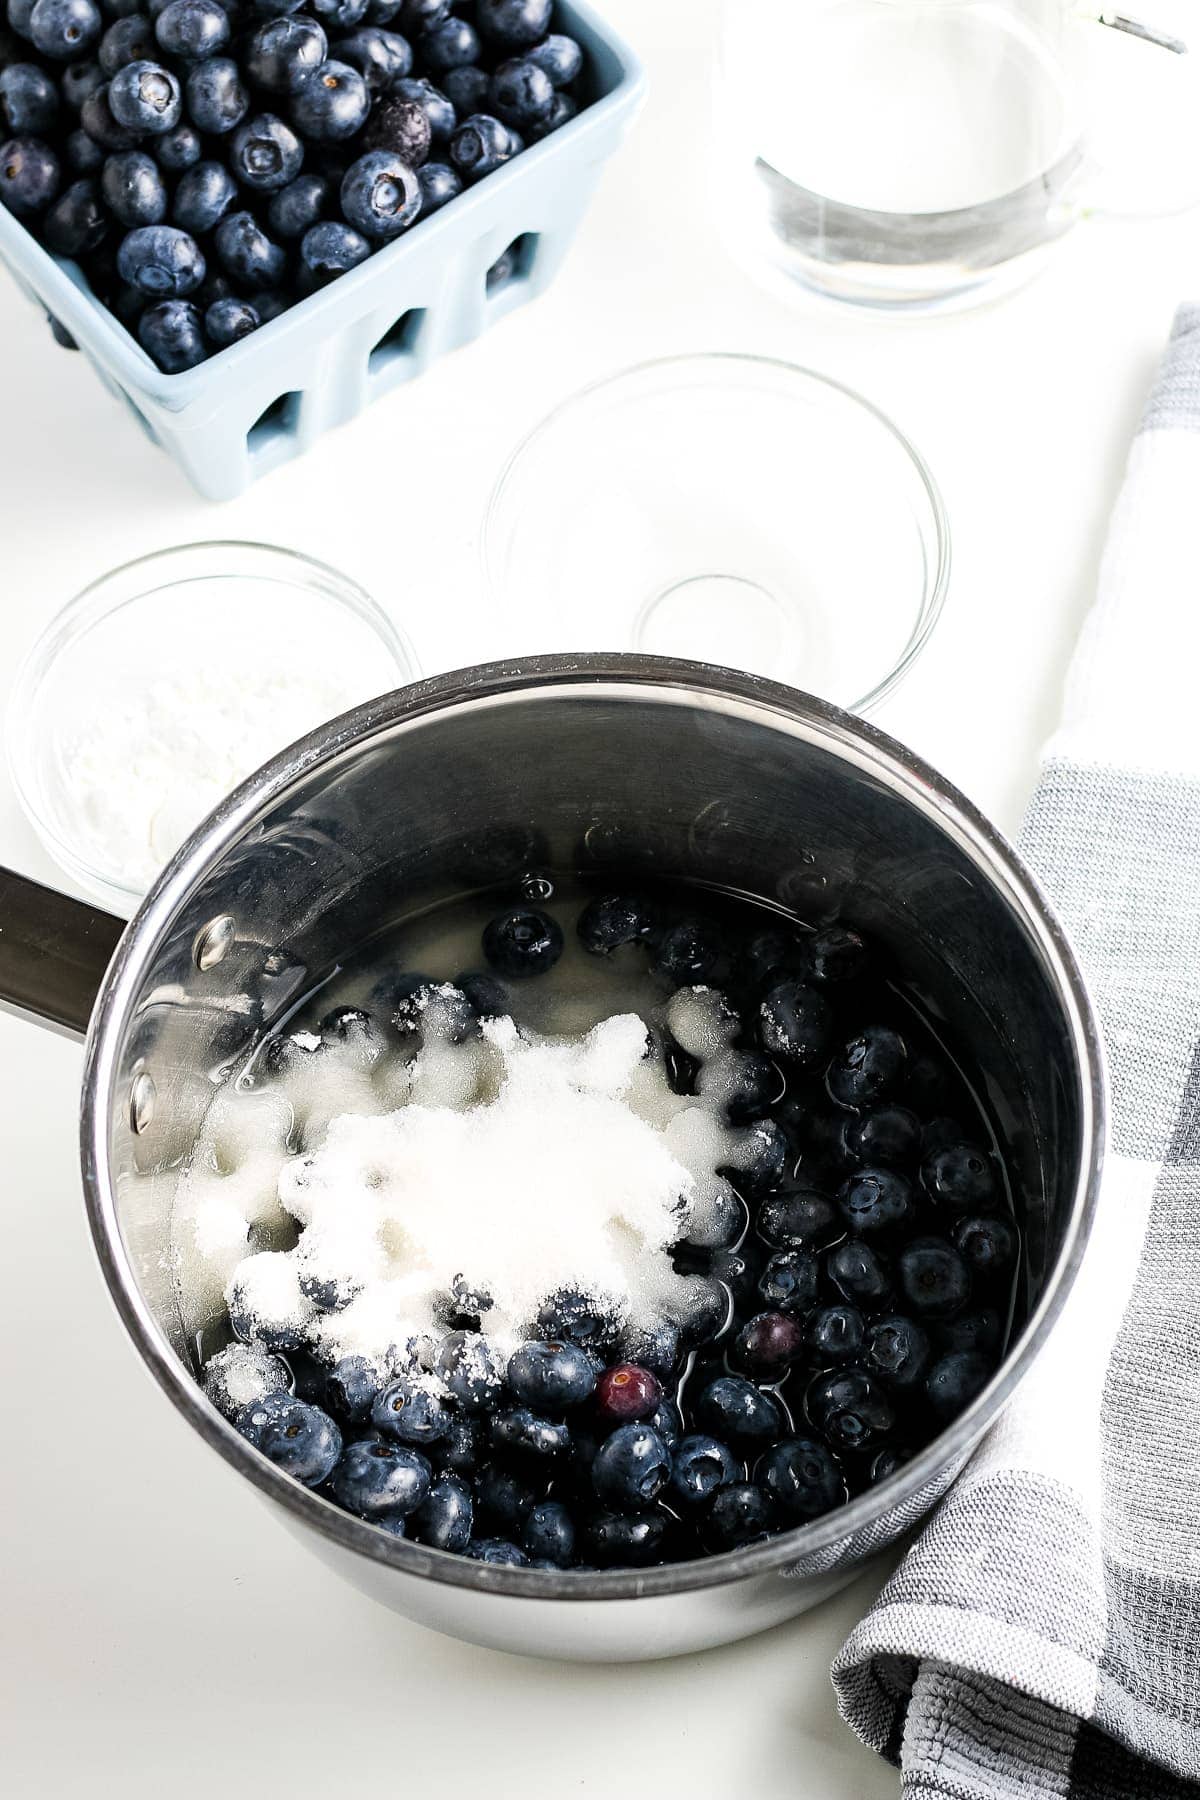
913 154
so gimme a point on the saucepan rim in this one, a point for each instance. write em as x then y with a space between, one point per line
592 676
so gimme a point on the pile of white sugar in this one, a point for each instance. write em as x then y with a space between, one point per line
508 1166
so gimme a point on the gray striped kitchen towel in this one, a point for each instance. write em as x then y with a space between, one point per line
1042 1637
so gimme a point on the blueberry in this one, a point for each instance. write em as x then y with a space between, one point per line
28 101
503 1499
60 334
76 222
466 89
927 1086
521 94
800 1219
417 16
479 146
65 30
582 1318
247 253
216 98
161 261
487 997
178 149
961 1178
228 1373
763 1158
352 1385
310 1378
562 112
78 81
801 1478
331 103
795 1022
444 1519
700 1464
135 193
299 1439
451 45
859 1274
192 29
518 1431
515 24
667 1421
868 1068
127 40
560 57
438 109
745 1084
268 306
523 942
130 307
719 1223
836 954
982 1331
627 1392
298 206
552 1376
705 1310
339 15
549 1534
265 154
897 1350
738 1514
283 51
732 1409
410 1414
655 1348
18 13
631 1468
850 1408
933 1277
381 57
97 119
771 955
83 154
498 1551
377 1480
329 1287
381 197
471 1370
145 97
885 1463
331 249
173 333
877 1203
767 1344
835 1334
890 1136
611 920
459 1451
203 196
467 1300
687 953
988 1246
29 176
789 1280
628 1540
955 1380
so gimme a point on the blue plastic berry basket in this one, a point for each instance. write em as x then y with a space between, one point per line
264 400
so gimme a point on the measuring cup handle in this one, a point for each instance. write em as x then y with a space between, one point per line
53 953
1092 200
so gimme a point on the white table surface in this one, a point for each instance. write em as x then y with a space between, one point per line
159 1634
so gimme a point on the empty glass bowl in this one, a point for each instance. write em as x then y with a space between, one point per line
733 509
165 683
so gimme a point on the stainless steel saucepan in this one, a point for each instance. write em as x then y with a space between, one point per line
586 762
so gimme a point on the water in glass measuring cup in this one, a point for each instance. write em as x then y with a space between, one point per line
902 151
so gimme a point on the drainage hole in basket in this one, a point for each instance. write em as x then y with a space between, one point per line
275 421
398 340
515 264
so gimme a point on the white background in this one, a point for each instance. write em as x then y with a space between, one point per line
159 1634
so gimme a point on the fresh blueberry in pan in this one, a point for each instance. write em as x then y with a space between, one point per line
516 1431
523 942
216 98
381 57
520 93
553 1375
801 1478
612 920
192 29
135 193
627 1540
203 196
700 1464
933 1278
767 1344
298 206
549 1534
897 1350
376 1479
851 1409
515 24
439 183
437 107
988 1246
247 253
479 146
834 1334
795 1023
161 261
145 98
961 1177
300 1439
859 1274
800 1219
955 1380
444 1519
283 51
789 1280
626 1392
889 1136
381 195
410 1414
560 56
330 103
265 154
877 1203
737 1514
867 1069
172 332
65 30
734 1410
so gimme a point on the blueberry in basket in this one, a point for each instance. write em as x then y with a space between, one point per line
579 1260
323 129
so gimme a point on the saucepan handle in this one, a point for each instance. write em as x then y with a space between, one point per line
53 953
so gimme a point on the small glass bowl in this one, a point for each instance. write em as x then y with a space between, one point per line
162 685
733 509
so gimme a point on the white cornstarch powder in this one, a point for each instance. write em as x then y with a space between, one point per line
144 773
343 1200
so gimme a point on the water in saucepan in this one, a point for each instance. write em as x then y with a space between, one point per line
599 1227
